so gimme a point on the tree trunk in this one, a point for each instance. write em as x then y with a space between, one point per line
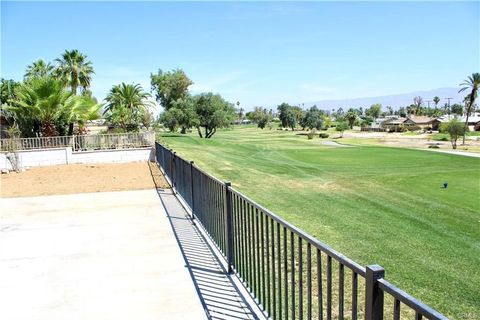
184 130
199 132
212 132
454 144
466 122
70 129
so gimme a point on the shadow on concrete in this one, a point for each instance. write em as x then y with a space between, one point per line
219 296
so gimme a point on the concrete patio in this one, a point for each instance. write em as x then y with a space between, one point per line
110 255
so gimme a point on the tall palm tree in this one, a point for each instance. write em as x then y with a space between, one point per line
75 70
436 100
38 69
130 96
472 83
127 101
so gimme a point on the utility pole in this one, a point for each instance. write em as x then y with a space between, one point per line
428 101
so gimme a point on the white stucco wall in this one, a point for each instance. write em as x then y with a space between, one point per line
50 157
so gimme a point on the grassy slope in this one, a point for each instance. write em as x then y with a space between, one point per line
374 204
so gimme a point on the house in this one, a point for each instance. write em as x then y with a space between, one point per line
393 124
423 122
473 120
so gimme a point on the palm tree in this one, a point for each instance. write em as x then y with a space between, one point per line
128 102
44 101
436 100
75 70
472 83
38 69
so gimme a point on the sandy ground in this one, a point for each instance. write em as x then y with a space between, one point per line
81 178
472 144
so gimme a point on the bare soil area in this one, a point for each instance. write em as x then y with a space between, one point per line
80 178
422 141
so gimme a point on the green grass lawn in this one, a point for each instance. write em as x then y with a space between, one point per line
374 204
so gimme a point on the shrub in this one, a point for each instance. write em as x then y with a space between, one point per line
413 128
455 129
323 135
433 146
310 135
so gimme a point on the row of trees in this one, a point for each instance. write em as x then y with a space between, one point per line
206 111
54 98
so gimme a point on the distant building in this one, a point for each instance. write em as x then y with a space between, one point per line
473 120
423 122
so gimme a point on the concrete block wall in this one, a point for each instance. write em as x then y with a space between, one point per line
50 157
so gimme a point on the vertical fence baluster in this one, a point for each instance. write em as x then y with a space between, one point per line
268 282
341 281
257 251
285 270
262 233
309 281
354 295
192 204
396 309
244 231
300 278
279 267
273 278
329 287
250 245
319 285
292 271
229 226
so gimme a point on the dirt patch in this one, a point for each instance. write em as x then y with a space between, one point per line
80 178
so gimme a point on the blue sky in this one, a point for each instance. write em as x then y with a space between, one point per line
258 53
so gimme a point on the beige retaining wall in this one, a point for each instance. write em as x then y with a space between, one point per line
56 156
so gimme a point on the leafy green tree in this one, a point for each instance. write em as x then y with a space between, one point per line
75 70
472 84
299 114
287 116
126 105
327 121
341 127
38 69
170 119
7 90
374 110
455 129
42 104
402 112
351 116
313 119
170 86
456 109
181 114
213 112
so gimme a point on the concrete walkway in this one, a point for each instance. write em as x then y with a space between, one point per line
109 255
220 296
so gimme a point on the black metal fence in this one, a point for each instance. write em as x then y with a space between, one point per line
290 274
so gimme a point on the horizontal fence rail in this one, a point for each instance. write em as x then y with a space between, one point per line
81 142
290 274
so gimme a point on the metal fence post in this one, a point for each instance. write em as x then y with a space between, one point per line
373 294
229 225
192 189
172 170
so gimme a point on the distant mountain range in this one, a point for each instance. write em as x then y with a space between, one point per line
395 101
